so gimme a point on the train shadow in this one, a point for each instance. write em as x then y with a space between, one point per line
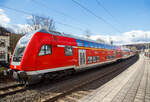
100 82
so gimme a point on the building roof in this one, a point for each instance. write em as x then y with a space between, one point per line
4 31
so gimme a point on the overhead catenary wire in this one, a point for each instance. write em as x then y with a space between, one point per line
41 3
16 10
58 12
68 25
107 11
98 17
29 13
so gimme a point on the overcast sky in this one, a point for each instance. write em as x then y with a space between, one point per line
123 21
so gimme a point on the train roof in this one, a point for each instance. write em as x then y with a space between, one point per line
66 35
72 36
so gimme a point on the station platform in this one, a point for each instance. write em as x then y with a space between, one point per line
132 85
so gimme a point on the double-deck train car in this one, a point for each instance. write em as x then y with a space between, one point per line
42 53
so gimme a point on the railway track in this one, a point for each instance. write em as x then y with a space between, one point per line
86 89
9 90
63 88
10 86
61 97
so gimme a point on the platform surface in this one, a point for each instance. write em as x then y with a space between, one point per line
132 85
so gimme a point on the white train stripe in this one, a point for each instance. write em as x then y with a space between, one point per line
60 45
48 70
66 45
67 67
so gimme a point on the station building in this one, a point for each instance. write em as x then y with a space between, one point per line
4 46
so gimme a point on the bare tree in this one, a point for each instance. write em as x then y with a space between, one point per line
34 21
37 22
48 23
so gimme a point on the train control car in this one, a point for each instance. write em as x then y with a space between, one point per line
41 53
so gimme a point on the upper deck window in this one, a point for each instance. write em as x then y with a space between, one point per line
105 46
99 45
96 45
86 44
102 46
45 50
113 47
110 47
79 42
91 44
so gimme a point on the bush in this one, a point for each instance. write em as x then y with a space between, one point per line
2 69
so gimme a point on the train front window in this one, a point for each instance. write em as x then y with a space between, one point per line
18 54
19 50
21 46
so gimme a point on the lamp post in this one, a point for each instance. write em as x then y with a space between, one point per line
147 45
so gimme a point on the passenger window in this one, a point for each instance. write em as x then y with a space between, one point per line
94 58
79 42
105 46
91 44
99 46
45 50
114 53
89 59
68 51
97 58
96 45
102 46
117 52
86 44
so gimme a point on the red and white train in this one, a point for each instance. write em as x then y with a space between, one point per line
43 53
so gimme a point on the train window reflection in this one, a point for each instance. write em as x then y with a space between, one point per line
68 51
91 44
18 54
86 44
79 42
45 50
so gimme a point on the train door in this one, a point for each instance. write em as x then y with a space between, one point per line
82 57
